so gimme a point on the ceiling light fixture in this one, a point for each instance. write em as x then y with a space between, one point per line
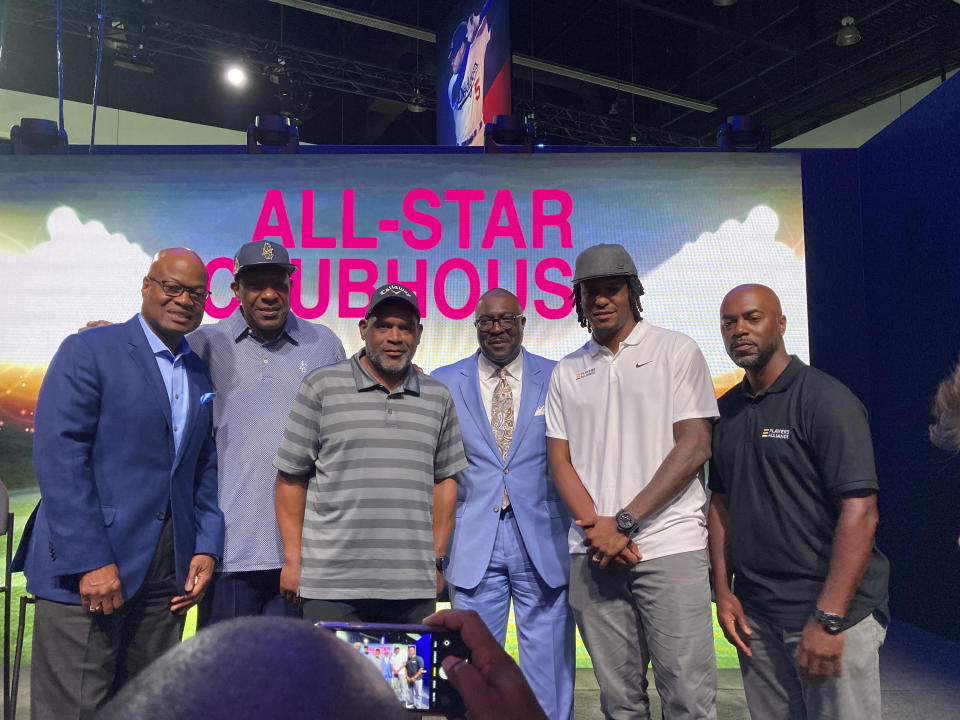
848 33
236 76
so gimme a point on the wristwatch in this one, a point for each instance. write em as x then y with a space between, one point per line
441 563
626 522
831 622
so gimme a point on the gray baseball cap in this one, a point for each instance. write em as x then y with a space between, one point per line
602 261
260 254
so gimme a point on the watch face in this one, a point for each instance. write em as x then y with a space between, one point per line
625 521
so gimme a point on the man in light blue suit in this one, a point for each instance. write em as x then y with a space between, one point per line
127 530
510 535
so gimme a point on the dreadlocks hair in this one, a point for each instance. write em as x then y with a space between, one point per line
945 432
633 287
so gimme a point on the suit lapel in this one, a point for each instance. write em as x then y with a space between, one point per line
529 394
472 399
144 358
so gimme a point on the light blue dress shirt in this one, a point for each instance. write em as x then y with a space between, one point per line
174 374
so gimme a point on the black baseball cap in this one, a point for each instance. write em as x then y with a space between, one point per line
392 291
262 253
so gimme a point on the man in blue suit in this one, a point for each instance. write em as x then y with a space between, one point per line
127 530
510 535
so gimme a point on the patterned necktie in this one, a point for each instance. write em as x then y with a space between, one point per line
501 420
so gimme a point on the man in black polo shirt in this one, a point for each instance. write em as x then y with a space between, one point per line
792 518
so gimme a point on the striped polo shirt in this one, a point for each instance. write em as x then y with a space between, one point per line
372 456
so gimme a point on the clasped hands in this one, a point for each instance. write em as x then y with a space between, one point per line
606 545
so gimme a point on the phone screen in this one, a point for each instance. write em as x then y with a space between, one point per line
408 659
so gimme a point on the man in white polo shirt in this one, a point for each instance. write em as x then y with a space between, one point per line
628 431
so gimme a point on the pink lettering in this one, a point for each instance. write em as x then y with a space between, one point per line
552 287
350 240
307 239
323 290
503 206
421 218
440 290
464 198
273 204
559 220
347 286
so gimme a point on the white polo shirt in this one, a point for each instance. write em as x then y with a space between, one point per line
617 413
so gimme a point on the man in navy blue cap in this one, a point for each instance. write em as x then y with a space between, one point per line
257 358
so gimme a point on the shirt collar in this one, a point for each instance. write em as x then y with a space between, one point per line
366 381
239 328
157 345
488 369
783 382
634 338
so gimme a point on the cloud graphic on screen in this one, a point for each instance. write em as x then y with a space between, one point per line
684 292
83 273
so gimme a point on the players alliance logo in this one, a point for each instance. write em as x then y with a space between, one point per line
585 373
776 433
267 251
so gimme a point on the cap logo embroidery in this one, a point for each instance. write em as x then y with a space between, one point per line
267 251
236 265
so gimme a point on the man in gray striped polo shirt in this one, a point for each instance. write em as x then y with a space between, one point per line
365 491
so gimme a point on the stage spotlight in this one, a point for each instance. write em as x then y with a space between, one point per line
236 76
417 103
507 134
272 134
724 3
34 136
848 33
743 131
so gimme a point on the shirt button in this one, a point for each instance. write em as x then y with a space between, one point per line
506 471
176 397
174 428
496 508
161 516
265 361
389 412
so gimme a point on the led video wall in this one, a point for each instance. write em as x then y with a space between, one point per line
77 235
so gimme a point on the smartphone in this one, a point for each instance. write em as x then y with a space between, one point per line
408 659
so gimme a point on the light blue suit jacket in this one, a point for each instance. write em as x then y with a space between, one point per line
107 469
541 515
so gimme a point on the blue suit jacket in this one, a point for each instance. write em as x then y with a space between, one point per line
541 515
105 461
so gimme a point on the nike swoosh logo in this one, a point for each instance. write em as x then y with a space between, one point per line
645 363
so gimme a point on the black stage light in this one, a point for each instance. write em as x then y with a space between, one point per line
743 132
273 134
34 136
507 134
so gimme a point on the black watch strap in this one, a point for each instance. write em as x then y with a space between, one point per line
831 622
441 562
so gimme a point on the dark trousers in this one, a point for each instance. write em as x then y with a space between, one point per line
80 660
407 612
239 594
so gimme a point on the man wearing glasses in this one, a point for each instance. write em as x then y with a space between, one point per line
510 535
127 530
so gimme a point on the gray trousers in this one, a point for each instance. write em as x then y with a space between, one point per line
664 602
775 690
80 660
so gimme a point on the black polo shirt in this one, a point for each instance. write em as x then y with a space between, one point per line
783 459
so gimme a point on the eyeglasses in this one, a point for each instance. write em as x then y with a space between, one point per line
172 289
506 322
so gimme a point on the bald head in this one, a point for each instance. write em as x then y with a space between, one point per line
499 341
752 324
184 682
169 313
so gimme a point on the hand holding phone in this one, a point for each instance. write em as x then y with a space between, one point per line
491 684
